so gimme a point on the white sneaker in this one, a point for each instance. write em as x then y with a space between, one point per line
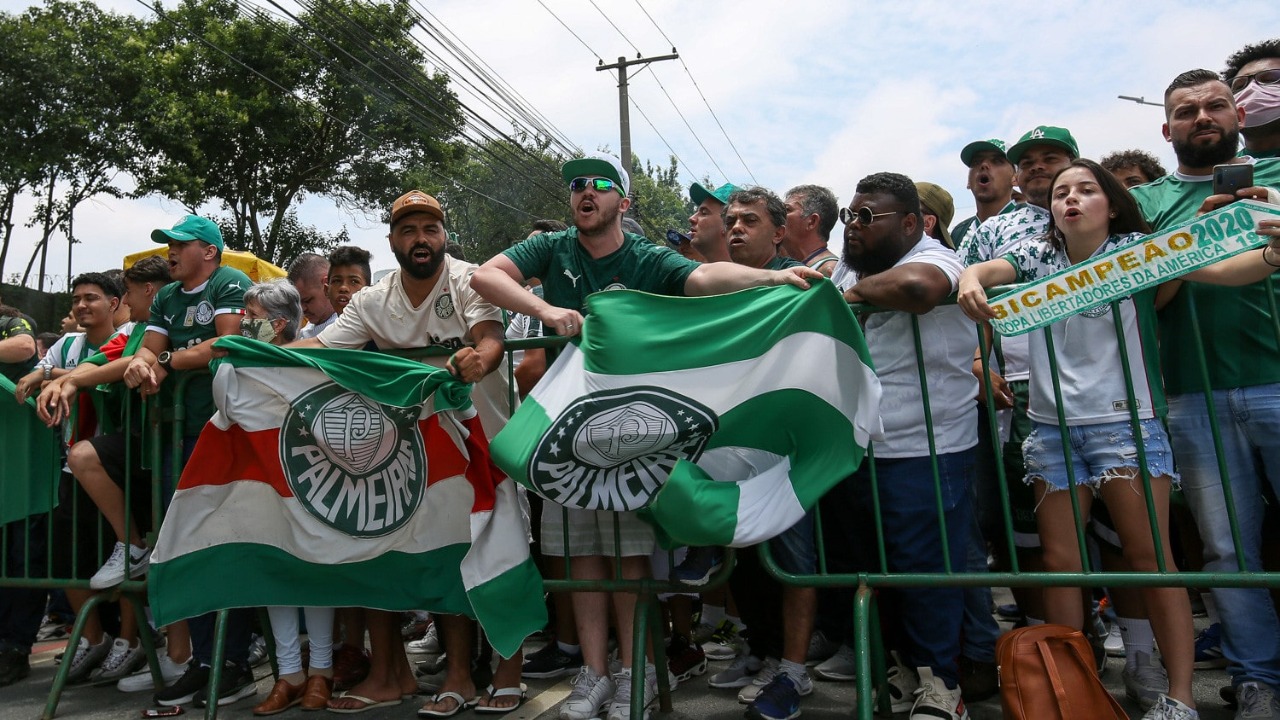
903 686
88 657
170 671
936 701
121 661
620 708
112 571
740 673
591 692
748 693
840 667
428 644
1166 708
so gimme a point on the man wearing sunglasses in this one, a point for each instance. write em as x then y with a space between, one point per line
596 255
889 262
1202 122
1253 73
706 225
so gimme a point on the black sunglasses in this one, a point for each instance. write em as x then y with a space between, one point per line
862 215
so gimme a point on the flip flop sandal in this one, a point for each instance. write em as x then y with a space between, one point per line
460 704
517 692
366 704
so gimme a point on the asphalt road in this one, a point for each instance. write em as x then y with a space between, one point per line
693 699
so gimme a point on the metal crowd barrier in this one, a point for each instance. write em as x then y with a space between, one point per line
648 625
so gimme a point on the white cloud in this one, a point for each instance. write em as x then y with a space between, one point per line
810 90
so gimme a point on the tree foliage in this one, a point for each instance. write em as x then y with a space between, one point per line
70 74
658 200
244 113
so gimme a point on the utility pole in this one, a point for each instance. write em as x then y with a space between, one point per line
624 116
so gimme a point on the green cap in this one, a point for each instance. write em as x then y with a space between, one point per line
191 227
597 165
698 193
1044 135
977 146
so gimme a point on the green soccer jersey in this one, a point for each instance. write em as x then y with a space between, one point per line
187 319
569 274
1235 322
781 262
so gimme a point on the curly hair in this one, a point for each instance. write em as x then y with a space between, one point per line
1249 53
1141 159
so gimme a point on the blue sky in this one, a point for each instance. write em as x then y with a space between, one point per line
823 92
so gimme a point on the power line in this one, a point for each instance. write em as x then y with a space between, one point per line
686 123
571 32
660 137
417 81
506 90
615 27
188 31
700 94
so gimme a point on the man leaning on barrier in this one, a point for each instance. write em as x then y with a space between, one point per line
888 262
595 255
204 301
1242 362
427 302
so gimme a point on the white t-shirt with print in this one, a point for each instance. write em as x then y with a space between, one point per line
383 313
947 339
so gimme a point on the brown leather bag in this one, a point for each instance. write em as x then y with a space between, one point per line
1047 672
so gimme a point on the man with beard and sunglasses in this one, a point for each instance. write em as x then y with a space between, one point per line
1242 364
889 262
427 302
594 255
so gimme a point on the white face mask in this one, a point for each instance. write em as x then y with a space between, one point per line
260 329
1261 104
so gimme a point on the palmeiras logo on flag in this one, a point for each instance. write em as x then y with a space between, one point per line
355 465
612 450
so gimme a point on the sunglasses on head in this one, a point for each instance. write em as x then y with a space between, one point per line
862 215
599 184
1264 77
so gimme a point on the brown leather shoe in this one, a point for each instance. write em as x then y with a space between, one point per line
283 696
316 695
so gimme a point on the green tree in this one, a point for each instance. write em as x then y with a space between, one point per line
71 71
255 115
521 179
658 200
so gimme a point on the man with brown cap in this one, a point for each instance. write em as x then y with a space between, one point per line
427 301
938 209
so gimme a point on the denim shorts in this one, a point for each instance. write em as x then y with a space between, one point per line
1097 451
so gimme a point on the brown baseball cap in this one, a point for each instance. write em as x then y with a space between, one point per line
416 201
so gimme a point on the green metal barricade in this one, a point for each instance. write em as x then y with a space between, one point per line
869 652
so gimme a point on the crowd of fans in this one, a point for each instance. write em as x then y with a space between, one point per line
1062 428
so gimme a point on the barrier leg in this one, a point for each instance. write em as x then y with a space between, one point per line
138 601
656 632
73 641
215 671
639 642
269 635
862 650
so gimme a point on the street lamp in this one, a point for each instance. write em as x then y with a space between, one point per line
1139 100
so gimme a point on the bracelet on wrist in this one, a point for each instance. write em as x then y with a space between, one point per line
1264 257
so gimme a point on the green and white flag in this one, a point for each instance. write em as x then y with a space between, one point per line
724 418
336 478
